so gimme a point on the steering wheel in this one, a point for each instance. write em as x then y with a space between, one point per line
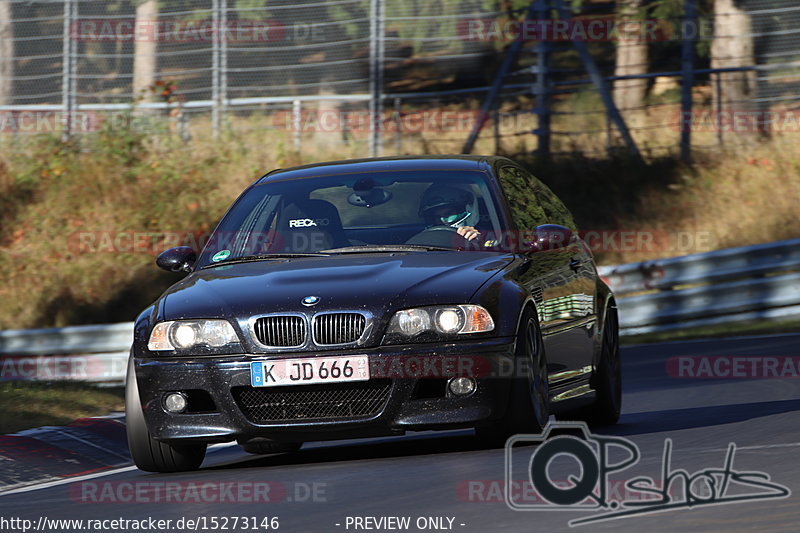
437 236
441 228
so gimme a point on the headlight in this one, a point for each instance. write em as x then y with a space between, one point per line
449 320
439 320
413 321
185 334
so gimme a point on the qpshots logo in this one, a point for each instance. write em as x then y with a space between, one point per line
599 459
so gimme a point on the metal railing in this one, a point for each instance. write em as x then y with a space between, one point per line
759 282
97 353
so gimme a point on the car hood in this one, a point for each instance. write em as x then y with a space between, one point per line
375 282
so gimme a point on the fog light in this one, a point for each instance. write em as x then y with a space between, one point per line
462 386
175 402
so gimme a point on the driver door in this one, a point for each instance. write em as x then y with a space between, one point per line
561 280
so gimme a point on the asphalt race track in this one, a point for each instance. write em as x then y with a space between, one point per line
447 476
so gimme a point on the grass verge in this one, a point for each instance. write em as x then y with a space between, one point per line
25 404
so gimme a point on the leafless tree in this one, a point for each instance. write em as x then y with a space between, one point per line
6 54
732 48
631 59
144 59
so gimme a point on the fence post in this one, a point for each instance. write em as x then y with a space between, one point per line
687 66
297 124
223 62
215 67
718 122
376 59
496 129
398 126
67 68
542 89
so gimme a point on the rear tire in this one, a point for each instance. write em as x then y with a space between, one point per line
149 454
529 400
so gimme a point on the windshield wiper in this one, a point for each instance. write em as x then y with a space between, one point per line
388 248
262 257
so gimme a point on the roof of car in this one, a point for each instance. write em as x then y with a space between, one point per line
377 164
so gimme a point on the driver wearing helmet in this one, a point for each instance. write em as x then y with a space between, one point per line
451 205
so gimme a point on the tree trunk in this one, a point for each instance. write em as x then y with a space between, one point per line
144 59
6 54
733 47
631 60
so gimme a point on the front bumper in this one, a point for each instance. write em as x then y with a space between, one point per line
417 397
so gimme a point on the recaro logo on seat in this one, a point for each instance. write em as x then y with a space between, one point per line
308 223
302 223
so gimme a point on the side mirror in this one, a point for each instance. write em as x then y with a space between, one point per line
179 259
550 237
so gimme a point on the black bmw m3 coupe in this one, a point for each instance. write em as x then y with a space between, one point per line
373 297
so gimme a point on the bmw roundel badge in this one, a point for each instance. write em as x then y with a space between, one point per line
308 301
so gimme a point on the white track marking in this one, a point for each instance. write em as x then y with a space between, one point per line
57 482
67 481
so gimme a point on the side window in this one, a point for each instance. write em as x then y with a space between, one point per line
532 202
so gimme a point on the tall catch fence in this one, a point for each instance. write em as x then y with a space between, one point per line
393 76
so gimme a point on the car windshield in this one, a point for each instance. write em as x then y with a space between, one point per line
352 213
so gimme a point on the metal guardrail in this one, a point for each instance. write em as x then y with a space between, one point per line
69 340
97 353
760 282
737 284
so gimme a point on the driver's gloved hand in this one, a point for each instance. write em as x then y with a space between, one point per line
468 232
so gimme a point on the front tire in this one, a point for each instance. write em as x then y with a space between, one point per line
149 454
607 379
529 403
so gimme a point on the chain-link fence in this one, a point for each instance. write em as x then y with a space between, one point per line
388 72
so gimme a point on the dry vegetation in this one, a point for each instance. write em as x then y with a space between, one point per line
26 405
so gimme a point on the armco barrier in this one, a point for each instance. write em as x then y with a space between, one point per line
97 353
759 282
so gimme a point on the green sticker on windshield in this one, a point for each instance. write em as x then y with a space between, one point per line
221 255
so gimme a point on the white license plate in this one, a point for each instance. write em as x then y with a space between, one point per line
309 371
